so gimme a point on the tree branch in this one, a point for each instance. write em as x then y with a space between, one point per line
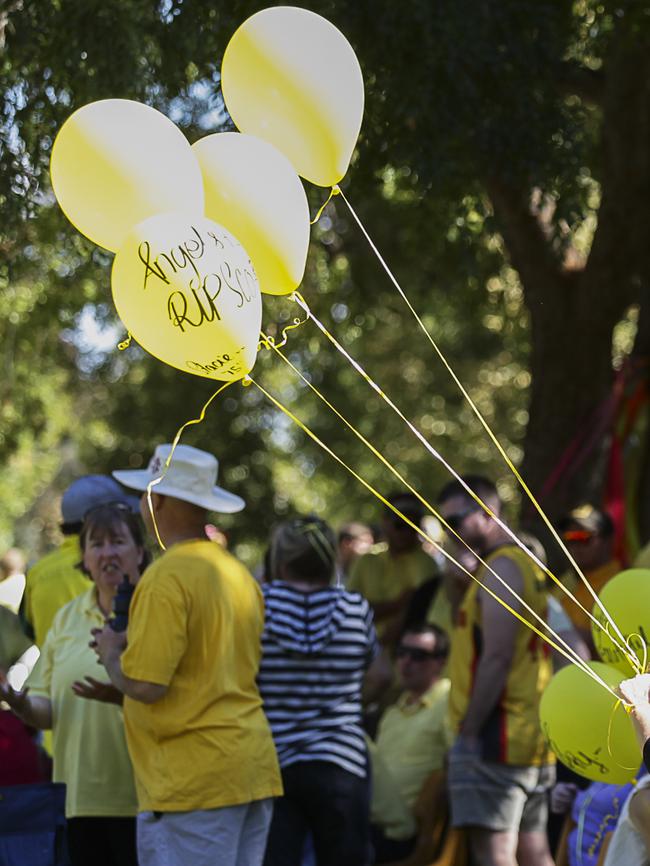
528 247
577 80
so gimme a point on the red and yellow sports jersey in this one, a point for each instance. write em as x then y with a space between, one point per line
512 733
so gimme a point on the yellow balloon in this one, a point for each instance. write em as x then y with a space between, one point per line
626 598
187 292
290 77
582 726
253 190
117 162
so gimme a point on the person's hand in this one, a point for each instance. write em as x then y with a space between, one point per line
636 691
562 796
466 745
17 700
108 644
92 690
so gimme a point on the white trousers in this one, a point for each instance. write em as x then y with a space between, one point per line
230 836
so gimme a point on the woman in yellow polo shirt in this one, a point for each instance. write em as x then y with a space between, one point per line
89 746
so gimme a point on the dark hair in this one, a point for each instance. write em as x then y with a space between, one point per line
306 548
482 486
350 531
410 503
441 637
70 528
590 518
106 520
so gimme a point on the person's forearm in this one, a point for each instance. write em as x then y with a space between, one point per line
137 690
113 667
490 680
36 712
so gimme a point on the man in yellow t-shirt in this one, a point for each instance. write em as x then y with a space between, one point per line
500 768
412 740
389 578
203 756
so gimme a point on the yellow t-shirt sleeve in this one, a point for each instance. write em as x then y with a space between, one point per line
40 679
156 635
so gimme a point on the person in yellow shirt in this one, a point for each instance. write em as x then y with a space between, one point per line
389 578
89 745
413 738
588 533
55 580
500 768
205 764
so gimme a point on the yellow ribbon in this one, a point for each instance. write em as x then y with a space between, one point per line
249 380
268 342
334 191
435 453
573 655
485 426
168 461
125 343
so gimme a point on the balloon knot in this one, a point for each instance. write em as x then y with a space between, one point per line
125 343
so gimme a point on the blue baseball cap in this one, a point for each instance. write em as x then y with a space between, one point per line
90 491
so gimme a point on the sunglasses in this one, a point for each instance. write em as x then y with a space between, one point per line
455 521
416 654
580 535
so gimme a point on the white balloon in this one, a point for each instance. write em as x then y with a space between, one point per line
187 292
117 162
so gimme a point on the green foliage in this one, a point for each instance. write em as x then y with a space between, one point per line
457 94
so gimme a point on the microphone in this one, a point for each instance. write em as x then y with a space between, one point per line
121 604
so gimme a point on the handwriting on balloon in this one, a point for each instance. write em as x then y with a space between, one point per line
578 761
637 641
191 305
223 365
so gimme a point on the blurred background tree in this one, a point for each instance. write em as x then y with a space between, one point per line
503 170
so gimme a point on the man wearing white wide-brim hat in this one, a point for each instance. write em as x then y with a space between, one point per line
205 765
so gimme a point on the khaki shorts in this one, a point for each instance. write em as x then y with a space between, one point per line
498 797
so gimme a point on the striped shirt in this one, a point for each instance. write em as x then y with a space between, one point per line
316 647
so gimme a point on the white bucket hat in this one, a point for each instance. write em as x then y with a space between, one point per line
191 477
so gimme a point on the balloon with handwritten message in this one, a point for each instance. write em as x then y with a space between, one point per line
253 190
291 77
585 729
117 162
186 290
626 598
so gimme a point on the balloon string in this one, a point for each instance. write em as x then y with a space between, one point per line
644 663
268 342
248 380
168 461
574 657
334 191
125 343
436 454
627 707
478 414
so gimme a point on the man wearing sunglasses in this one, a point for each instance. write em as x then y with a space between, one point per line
500 767
389 578
412 740
588 533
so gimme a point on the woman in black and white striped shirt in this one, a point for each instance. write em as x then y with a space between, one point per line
317 644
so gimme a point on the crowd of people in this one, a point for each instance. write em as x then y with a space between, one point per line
364 700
